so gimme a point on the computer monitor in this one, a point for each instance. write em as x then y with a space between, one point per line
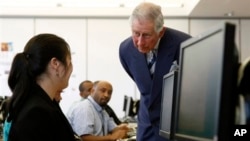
125 99
207 85
168 105
128 106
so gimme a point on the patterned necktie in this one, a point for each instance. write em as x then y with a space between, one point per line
151 62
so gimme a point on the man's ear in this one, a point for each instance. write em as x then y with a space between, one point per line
162 32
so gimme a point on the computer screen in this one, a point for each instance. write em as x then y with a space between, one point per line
125 102
207 85
128 106
168 103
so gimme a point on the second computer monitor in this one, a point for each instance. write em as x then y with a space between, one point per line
128 106
168 105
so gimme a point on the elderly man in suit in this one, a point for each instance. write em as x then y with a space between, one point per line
146 56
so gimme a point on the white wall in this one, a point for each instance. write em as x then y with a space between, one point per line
94 43
74 32
16 31
104 37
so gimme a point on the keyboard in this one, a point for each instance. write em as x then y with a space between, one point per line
133 138
131 134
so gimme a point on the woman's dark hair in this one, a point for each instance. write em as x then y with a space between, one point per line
31 63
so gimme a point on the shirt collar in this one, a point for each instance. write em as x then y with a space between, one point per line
149 54
96 105
157 45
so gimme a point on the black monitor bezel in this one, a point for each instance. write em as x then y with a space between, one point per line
169 134
129 107
125 99
228 88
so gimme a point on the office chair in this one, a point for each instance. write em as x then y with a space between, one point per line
112 114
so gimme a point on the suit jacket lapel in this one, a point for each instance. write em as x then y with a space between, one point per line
143 74
163 62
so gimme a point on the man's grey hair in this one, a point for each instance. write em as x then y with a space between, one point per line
148 11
